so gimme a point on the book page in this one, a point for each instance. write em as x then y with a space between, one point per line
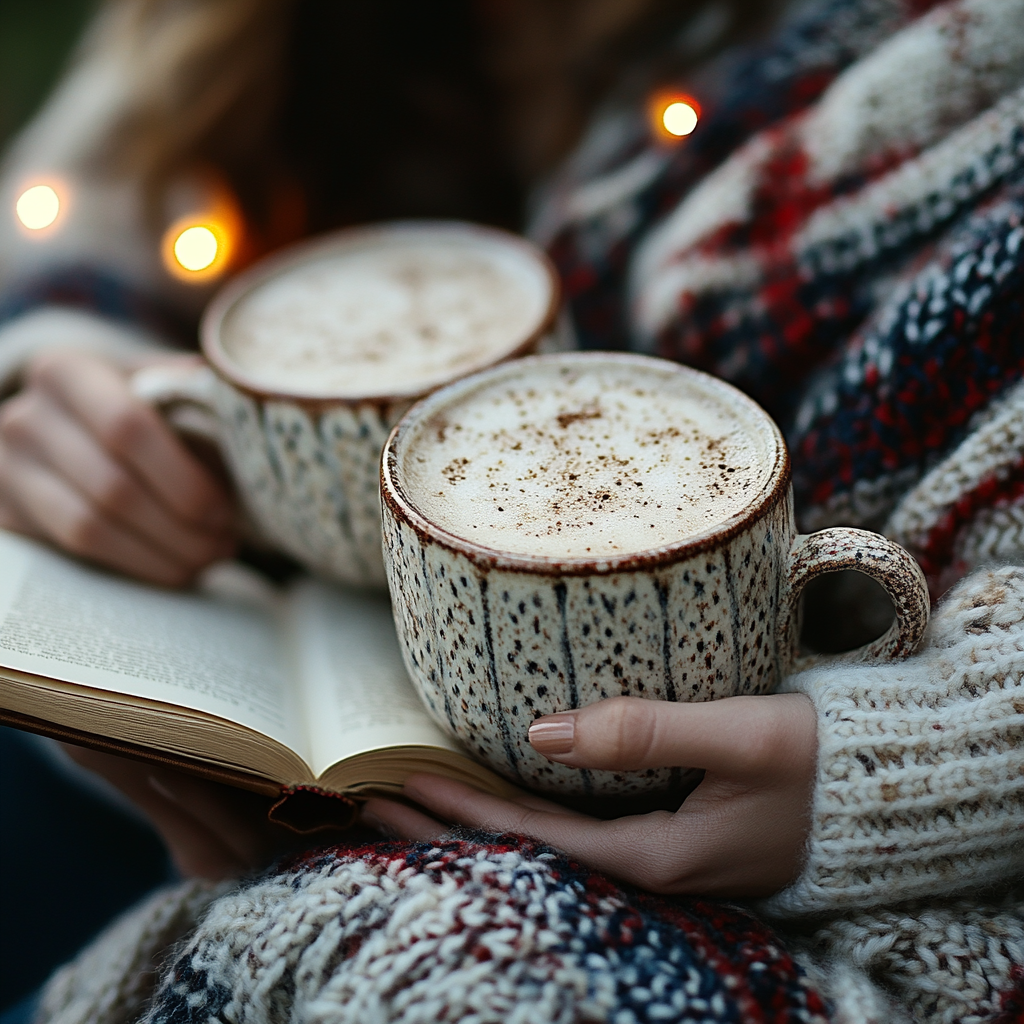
357 693
63 620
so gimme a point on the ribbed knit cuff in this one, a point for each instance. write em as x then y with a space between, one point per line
920 780
52 327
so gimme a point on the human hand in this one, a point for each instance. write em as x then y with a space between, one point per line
740 833
211 831
89 467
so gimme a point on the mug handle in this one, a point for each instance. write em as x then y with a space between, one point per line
185 396
843 547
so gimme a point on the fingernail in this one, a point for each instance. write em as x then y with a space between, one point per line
553 735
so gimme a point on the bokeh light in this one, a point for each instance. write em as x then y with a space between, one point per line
208 237
673 115
679 118
38 207
196 248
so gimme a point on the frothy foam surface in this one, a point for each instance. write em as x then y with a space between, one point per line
586 460
394 313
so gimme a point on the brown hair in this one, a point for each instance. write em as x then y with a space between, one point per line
209 78
203 80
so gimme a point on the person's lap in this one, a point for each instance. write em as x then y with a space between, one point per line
78 861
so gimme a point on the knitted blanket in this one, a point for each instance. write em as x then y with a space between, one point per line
485 928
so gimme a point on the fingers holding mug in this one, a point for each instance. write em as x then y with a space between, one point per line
565 529
70 445
99 397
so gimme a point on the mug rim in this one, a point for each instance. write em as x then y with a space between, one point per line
307 250
775 488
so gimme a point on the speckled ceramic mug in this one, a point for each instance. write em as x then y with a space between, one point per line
303 440
517 504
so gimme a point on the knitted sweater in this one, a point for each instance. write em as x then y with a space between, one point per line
842 237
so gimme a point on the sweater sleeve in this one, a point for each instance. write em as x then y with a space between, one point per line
101 222
103 252
51 327
920 777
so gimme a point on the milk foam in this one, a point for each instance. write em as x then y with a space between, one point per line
395 313
586 460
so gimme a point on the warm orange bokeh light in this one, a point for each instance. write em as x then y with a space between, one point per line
673 115
679 118
38 207
197 249
204 244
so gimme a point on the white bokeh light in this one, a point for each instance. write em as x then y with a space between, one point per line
679 118
37 207
196 248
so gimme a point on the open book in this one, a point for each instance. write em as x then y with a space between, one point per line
263 689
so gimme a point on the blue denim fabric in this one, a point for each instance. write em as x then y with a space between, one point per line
69 861
22 1012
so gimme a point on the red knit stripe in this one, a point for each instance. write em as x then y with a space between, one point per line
938 549
1011 1010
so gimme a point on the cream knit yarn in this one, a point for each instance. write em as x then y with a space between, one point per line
920 786
111 980
944 962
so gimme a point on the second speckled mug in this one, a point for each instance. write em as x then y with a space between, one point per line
315 352
569 528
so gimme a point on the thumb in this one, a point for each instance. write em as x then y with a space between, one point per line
734 736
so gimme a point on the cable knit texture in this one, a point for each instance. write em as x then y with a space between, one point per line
947 962
920 786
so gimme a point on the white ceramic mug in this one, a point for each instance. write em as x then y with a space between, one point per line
496 634
305 458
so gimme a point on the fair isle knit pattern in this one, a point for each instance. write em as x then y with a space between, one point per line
621 182
920 788
815 192
903 394
966 511
873 226
489 930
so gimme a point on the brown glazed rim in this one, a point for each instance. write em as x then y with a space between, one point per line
308 250
404 511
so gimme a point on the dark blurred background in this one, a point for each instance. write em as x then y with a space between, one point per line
36 37
67 859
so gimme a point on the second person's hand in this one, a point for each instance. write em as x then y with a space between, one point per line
89 467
